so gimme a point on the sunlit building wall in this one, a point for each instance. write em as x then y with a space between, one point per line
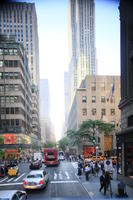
94 100
81 21
15 95
45 109
19 19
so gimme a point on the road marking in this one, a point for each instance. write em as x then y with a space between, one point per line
60 176
10 179
19 177
55 176
3 179
64 182
67 175
83 186
5 184
74 164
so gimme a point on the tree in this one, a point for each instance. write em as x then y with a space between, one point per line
50 144
87 131
63 143
1 140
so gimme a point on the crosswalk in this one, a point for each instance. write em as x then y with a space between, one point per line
12 179
74 164
61 175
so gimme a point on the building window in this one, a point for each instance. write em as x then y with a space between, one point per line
130 121
93 111
1 51
103 111
84 112
1 63
12 110
93 99
84 99
17 122
103 100
112 111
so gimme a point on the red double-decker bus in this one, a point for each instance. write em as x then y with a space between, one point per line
51 156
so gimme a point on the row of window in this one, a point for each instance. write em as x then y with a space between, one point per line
10 75
103 99
10 87
9 63
103 111
6 51
11 99
10 123
12 110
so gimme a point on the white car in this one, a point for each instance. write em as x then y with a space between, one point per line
36 179
61 157
13 195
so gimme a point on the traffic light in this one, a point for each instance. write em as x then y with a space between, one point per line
94 140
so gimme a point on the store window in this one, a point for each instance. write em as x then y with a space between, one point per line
129 160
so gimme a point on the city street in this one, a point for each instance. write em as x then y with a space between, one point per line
63 182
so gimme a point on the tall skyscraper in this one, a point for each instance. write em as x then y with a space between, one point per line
19 19
81 21
45 110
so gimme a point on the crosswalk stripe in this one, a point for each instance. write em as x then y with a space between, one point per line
67 175
5 184
3 180
55 176
64 181
19 177
9 180
60 176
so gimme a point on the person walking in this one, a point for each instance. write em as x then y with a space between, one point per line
87 171
103 182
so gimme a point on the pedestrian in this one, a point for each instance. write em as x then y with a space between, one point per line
87 171
96 167
103 182
79 168
108 179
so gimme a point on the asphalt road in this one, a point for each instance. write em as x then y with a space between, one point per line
63 182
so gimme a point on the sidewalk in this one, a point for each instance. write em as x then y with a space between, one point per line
92 187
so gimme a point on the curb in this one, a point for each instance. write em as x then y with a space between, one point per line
83 186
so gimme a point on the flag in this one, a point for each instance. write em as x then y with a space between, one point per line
111 92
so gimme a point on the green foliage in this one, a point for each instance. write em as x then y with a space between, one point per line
1 140
2 153
63 143
50 144
87 131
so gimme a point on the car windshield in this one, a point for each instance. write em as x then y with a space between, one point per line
34 176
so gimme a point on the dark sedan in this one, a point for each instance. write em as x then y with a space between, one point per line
37 164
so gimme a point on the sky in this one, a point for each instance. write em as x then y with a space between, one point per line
52 18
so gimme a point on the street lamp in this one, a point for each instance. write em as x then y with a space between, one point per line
96 152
